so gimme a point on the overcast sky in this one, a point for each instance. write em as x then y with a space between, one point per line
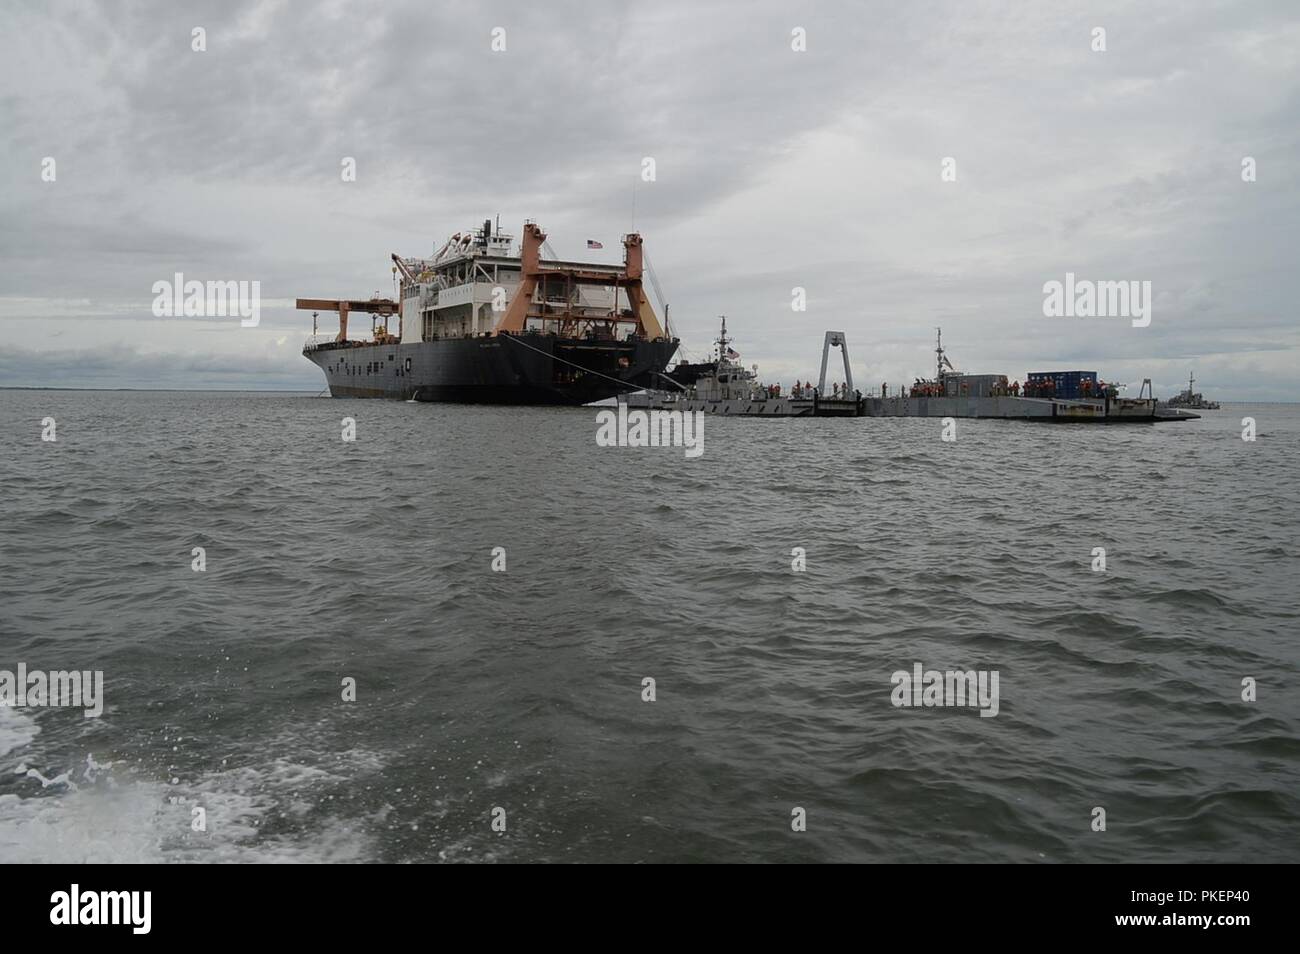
774 169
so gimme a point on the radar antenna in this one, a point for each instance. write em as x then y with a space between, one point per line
941 359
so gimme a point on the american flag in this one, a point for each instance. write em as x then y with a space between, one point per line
733 355
593 244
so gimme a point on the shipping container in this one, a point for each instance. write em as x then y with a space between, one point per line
958 384
1066 384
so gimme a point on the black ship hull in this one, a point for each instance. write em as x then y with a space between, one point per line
501 369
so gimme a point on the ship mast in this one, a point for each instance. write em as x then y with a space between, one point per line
938 355
723 340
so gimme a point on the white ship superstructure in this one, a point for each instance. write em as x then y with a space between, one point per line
470 281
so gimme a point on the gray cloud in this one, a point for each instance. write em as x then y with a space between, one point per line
775 169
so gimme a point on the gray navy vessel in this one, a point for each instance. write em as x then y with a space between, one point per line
725 386
1193 398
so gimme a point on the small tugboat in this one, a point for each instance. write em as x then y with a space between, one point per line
1193 398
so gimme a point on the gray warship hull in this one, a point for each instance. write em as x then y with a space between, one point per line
746 406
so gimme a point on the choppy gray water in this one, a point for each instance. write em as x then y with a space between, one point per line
522 690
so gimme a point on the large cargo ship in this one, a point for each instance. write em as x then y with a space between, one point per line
482 322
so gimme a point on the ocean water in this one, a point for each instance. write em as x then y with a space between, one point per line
519 694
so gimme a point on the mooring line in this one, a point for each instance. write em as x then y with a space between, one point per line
553 357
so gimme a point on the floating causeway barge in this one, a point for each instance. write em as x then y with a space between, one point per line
724 386
1059 396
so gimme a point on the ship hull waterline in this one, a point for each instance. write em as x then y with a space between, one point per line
527 369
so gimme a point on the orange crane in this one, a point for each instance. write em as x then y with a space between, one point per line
534 273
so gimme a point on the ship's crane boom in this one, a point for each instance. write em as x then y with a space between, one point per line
407 274
375 306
